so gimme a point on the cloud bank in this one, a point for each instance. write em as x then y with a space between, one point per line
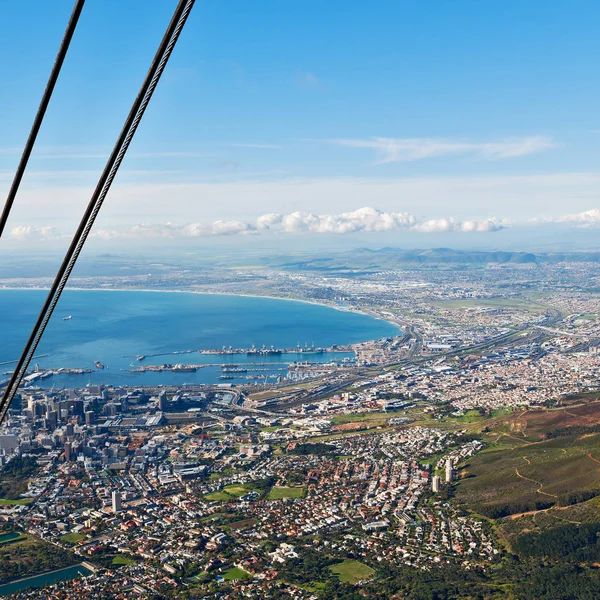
363 220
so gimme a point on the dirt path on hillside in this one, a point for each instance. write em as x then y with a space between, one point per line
545 510
541 485
589 455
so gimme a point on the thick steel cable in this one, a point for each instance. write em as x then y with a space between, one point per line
39 117
110 171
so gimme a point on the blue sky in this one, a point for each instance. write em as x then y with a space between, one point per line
455 109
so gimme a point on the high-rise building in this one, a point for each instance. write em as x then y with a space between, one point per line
116 501
449 470
435 483
52 419
68 453
77 407
162 400
89 417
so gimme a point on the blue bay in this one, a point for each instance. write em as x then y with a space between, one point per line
113 327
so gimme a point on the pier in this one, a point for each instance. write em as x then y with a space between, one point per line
252 351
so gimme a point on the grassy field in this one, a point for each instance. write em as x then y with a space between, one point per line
5 502
229 492
218 497
352 571
236 490
277 493
236 573
376 417
342 434
120 559
72 538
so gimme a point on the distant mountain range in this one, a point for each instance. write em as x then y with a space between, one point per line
388 258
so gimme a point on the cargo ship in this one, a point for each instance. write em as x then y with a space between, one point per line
264 351
184 368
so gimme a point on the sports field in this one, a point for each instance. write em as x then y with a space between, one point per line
277 493
352 571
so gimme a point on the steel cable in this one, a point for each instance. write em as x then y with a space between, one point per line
110 171
39 117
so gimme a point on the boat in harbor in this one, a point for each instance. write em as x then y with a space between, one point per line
98 364
180 368
67 318
264 351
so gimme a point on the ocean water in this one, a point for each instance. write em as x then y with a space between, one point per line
114 327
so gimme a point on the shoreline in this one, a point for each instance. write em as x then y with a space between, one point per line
150 290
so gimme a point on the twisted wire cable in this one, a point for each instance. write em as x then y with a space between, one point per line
110 171
39 117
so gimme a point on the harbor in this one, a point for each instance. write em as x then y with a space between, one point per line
253 350
129 330
233 369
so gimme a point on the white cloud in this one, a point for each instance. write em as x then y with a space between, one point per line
390 150
363 220
28 232
231 228
588 218
449 224
521 197
170 230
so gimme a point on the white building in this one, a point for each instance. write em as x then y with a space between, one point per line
116 501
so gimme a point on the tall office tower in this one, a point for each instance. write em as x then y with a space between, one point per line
77 407
449 470
162 400
68 453
53 419
435 483
116 501
89 417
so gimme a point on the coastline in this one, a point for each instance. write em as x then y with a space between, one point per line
150 290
